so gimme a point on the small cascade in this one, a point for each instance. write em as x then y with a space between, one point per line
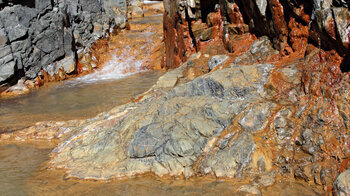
116 68
125 74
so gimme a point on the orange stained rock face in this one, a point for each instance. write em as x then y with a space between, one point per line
100 52
240 44
280 24
302 14
345 163
330 28
280 84
235 15
298 36
173 53
326 64
215 19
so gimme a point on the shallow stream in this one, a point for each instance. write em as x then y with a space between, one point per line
72 100
23 172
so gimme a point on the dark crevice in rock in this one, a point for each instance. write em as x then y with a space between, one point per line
19 73
345 65
194 42
27 3
245 15
340 3
206 8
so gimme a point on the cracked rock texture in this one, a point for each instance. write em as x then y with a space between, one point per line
38 35
175 131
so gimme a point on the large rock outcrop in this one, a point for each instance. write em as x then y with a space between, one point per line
290 25
38 35
234 122
313 34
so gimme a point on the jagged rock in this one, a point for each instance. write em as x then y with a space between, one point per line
262 5
7 70
206 34
3 37
169 132
21 46
5 51
341 18
37 37
289 25
6 59
260 51
66 65
43 5
198 27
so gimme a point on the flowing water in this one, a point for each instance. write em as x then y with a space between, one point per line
120 79
23 168
23 172
72 100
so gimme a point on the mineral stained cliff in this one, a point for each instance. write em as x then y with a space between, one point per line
260 90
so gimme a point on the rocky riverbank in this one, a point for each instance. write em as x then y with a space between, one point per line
44 40
259 93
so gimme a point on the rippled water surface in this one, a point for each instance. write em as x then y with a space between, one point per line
23 172
72 100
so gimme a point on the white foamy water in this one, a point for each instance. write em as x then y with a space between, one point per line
150 2
116 68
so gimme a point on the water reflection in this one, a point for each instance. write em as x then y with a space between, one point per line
67 101
17 163
23 172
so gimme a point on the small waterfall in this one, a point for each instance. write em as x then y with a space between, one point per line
116 68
